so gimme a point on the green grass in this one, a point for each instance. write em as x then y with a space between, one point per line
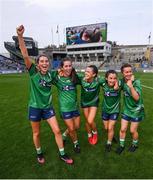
17 153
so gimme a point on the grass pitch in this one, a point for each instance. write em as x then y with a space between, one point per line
17 153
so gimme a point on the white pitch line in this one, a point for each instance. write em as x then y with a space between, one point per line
147 87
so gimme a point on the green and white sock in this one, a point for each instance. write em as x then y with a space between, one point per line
94 132
76 143
122 142
64 136
109 142
39 151
61 151
135 142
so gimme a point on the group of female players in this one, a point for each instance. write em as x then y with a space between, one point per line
66 79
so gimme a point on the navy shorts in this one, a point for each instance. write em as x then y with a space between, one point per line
106 116
36 114
69 115
89 106
130 119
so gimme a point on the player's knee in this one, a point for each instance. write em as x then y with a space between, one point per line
110 128
71 129
77 126
123 130
57 131
105 127
36 134
132 131
90 122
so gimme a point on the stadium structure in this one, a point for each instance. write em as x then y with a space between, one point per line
14 63
85 44
14 50
8 65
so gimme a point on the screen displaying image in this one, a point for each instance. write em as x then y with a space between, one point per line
92 33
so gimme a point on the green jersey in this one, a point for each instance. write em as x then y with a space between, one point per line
132 108
89 91
111 98
40 88
67 93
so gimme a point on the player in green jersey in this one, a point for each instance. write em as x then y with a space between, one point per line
40 104
90 89
111 105
66 84
133 109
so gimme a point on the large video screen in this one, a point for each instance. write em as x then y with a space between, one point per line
92 33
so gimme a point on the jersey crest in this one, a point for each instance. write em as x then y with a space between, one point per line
44 83
68 88
112 94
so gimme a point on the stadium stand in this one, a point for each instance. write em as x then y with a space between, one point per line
15 63
8 65
14 50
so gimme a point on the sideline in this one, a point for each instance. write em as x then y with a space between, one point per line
147 87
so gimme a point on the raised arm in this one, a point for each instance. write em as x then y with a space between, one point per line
20 31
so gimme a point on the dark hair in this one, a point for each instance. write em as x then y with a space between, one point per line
96 36
41 55
94 69
125 66
111 71
73 74
97 28
65 59
88 34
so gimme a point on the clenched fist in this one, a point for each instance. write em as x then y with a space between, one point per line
20 30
